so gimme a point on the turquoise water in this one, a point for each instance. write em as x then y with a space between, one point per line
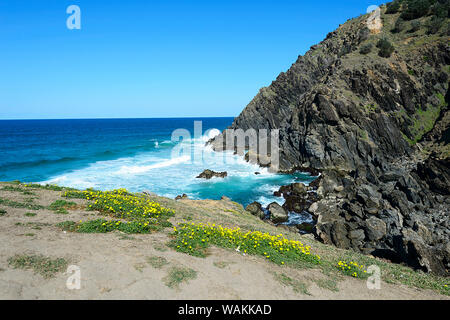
137 154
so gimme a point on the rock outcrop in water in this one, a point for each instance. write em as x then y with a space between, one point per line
377 127
209 174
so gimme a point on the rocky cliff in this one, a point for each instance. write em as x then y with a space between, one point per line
368 107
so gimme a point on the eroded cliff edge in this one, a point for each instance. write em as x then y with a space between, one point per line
369 109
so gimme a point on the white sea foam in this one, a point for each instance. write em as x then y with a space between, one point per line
162 164
157 171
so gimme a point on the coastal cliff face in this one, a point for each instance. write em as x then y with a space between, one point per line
369 109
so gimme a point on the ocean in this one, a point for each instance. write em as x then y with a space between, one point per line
136 154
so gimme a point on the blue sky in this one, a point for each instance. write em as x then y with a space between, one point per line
134 59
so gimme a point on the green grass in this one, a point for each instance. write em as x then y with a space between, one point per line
179 275
17 189
61 206
30 214
29 234
70 226
328 284
296 285
15 204
157 262
105 226
3 212
45 266
44 187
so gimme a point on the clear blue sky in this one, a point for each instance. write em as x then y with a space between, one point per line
153 58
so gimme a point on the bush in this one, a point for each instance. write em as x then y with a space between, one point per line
365 49
434 25
393 7
416 9
386 48
399 25
441 9
415 26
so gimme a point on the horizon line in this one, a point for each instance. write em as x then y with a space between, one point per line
118 118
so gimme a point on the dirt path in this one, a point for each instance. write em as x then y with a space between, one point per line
118 266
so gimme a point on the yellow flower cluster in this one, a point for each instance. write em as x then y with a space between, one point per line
276 248
351 268
125 205
122 204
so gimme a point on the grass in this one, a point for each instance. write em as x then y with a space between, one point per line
3 212
178 275
30 214
157 262
67 226
17 189
105 226
328 284
15 204
160 247
44 187
61 206
29 234
296 285
424 122
45 266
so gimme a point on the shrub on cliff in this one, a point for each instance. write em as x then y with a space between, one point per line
435 24
393 7
399 25
441 9
365 49
416 9
415 26
386 48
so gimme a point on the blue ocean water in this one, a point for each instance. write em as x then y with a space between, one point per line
137 154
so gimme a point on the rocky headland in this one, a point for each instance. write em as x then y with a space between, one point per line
368 109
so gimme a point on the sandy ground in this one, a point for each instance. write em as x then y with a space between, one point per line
115 267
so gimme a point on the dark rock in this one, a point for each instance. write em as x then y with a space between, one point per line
182 197
208 174
277 213
256 209
305 228
376 228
